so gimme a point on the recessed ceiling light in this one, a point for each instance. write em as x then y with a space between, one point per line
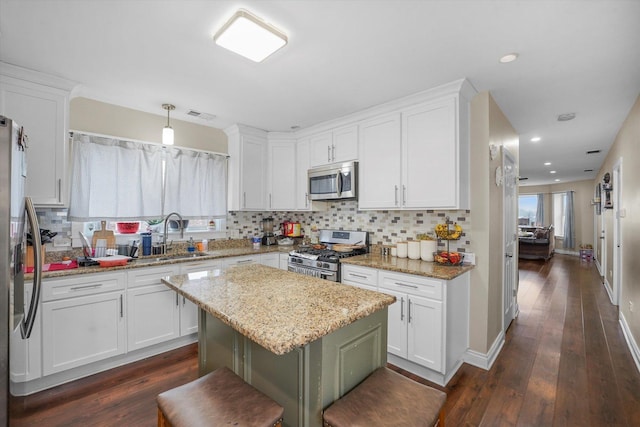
547 163
557 180
566 117
509 57
295 127
535 139
552 171
250 36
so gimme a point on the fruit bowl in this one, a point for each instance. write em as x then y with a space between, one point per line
447 258
127 227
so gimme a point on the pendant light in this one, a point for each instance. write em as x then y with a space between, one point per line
167 132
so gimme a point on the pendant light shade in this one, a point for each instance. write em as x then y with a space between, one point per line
167 132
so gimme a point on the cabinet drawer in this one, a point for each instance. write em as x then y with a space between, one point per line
241 260
410 284
352 274
149 276
82 285
198 266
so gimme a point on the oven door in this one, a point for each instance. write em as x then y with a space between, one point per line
314 272
333 182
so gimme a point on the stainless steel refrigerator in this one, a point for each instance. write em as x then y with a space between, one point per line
17 217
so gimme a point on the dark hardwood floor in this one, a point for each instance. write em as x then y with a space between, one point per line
565 363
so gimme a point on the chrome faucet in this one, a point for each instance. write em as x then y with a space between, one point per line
166 224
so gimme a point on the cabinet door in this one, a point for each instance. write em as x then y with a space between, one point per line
320 149
282 176
42 111
253 173
78 331
188 317
380 160
302 179
397 328
345 144
283 264
272 260
425 344
153 313
430 156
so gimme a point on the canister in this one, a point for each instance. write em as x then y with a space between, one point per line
413 249
402 249
427 248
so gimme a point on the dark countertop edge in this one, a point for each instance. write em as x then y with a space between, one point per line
378 262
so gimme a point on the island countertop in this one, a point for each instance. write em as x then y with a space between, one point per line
277 309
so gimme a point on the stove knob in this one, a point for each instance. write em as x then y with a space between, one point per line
319 264
326 265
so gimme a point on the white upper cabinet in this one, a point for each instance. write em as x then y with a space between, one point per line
418 156
281 173
337 145
40 103
247 168
379 165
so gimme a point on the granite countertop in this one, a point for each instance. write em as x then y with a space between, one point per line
277 309
409 266
155 260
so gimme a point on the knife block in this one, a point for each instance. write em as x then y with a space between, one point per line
29 261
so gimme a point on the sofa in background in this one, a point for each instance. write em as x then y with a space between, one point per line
536 242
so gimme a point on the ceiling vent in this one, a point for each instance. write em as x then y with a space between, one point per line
593 151
203 116
588 170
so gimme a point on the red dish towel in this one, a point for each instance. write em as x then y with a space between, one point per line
54 266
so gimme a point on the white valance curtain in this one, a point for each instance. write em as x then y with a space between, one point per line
125 180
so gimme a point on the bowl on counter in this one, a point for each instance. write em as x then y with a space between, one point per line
175 224
127 227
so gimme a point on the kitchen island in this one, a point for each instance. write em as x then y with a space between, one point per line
302 341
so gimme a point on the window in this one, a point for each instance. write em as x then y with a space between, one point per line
527 206
559 213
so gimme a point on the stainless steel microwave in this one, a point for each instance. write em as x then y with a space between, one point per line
336 181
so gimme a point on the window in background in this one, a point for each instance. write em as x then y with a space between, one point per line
527 206
559 213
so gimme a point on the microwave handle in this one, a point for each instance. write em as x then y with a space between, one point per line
339 182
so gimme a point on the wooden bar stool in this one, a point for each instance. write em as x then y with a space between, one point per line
386 398
216 399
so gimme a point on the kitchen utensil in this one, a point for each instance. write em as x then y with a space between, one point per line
86 247
267 227
112 261
103 233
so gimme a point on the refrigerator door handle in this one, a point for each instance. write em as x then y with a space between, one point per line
27 325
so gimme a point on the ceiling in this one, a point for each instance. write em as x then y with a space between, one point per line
344 56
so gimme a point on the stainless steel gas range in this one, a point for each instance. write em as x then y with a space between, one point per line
325 262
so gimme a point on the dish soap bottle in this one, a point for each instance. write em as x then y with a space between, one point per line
192 246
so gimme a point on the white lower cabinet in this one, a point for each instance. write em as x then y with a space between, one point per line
77 330
429 322
284 262
271 260
153 310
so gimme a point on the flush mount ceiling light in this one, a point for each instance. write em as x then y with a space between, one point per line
536 139
509 57
167 132
547 163
552 171
566 117
250 36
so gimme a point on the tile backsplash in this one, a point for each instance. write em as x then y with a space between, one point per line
384 227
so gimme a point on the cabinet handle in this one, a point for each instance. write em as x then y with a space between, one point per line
401 308
409 309
184 301
80 288
244 261
404 195
333 153
396 194
405 285
329 153
244 199
306 200
358 275
121 307
177 300
59 190
270 201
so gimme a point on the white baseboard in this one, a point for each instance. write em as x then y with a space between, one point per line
609 292
566 252
485 361
631 342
